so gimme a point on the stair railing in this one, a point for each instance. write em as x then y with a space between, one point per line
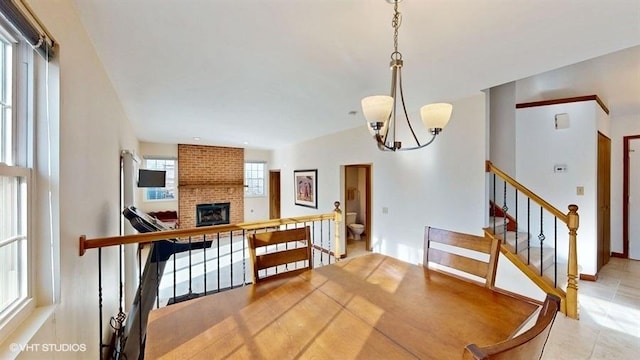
202 261
506 197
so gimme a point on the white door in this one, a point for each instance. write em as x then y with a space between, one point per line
634 199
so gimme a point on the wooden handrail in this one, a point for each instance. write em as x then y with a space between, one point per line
208 230
571 219
550 208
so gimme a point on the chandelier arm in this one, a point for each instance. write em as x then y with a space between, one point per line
383 146
433 137
404 107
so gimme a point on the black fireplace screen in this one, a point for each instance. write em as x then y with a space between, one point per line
212 214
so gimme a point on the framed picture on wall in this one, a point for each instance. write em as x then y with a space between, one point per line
306 188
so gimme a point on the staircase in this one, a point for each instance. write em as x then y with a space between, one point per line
535 236
541 260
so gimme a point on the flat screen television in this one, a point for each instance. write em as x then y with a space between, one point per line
151 178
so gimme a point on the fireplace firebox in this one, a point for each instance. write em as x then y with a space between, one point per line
212 214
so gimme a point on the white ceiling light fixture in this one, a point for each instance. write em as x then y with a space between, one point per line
381 110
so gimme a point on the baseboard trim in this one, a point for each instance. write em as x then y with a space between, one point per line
588 277
618 255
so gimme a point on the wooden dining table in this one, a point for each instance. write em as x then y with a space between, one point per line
368 307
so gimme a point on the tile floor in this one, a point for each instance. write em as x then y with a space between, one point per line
356 247
609 325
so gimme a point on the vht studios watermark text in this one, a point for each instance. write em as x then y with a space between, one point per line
16 347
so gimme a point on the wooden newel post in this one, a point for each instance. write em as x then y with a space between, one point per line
572 271
338 225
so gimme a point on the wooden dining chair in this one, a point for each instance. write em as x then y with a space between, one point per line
280 253
469 257
526 346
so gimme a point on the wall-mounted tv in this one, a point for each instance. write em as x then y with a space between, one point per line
151 178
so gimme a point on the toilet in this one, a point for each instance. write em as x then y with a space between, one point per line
355 230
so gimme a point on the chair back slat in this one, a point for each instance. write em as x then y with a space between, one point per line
464 254
281 247
467 241
462 263
281 257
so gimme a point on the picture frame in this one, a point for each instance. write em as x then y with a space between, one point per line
305 183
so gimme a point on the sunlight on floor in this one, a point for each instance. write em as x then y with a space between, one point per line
609 325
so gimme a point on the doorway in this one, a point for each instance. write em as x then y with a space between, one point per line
357 208
274 194
631 198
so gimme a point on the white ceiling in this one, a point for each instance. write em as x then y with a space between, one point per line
266 73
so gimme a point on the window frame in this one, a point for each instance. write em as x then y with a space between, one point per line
174 186
263 180
18 162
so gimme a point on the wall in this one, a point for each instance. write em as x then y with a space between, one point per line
210 174
539 146
442 185
596 76
157 150
93 129
502 127
257 208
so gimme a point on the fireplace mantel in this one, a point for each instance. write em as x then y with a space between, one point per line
210 185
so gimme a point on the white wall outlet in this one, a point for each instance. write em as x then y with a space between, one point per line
580 190
385 210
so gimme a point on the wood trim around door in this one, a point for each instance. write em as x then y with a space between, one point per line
625 196
274 194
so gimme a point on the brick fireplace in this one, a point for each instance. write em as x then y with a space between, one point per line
210 175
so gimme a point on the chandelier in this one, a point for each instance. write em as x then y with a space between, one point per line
381 111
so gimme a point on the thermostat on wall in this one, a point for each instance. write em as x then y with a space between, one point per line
562 121
560 168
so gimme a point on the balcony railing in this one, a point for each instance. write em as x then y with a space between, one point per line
182 264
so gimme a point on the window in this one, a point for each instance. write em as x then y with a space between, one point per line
254 179
169 191
15 178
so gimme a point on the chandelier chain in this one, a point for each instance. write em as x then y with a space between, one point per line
395 23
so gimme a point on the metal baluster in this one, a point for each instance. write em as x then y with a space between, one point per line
231 257
541 237
516 201
311 245
155 250
190 274
204 261
140 297
555 251
175 260
505 208
313 226
493 202
121 277
218 259
121 317
528 230
244 257
100 344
